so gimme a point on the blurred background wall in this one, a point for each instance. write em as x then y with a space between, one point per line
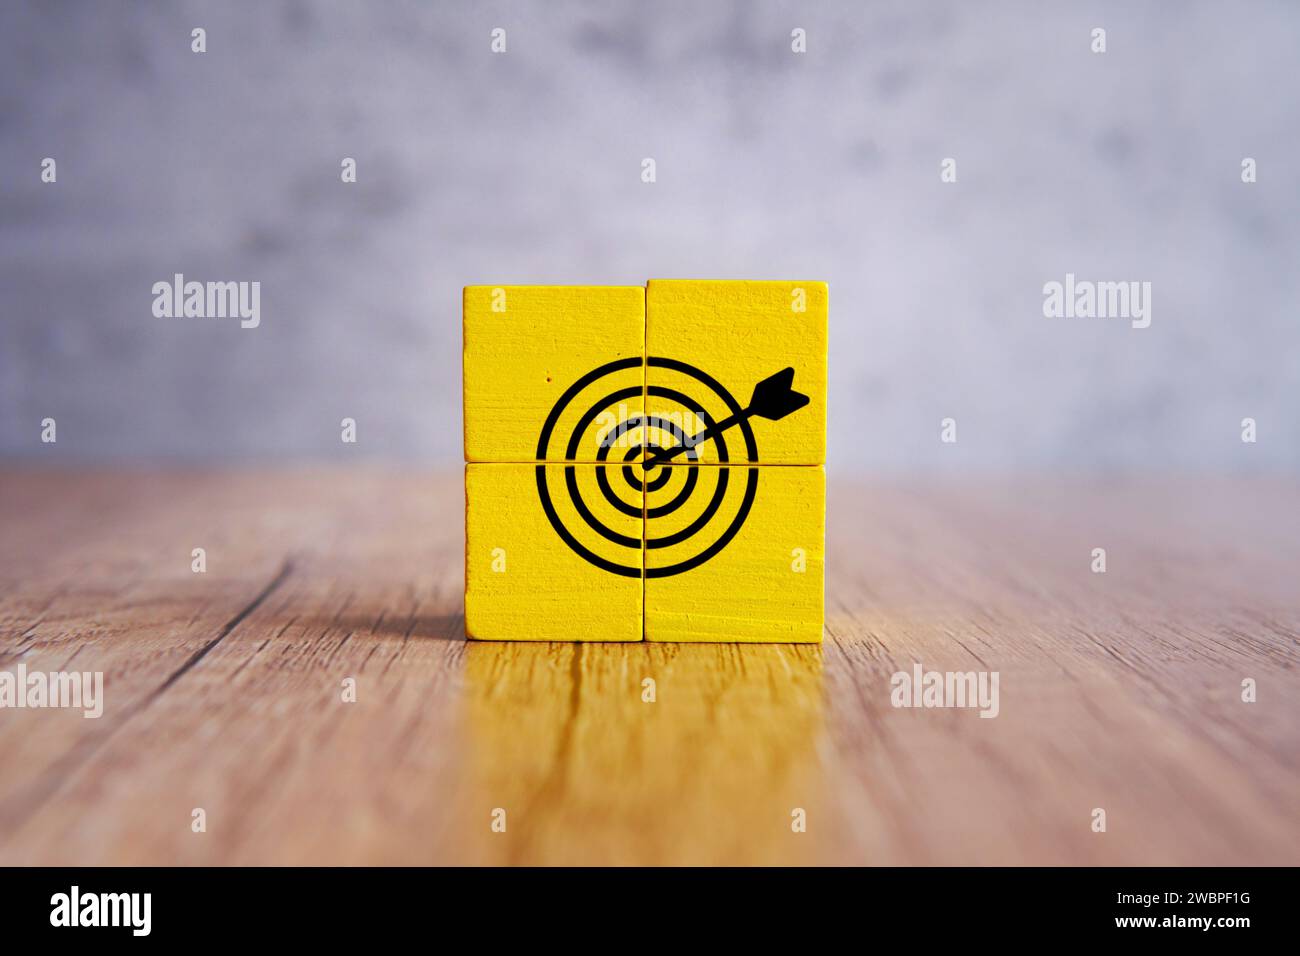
525 167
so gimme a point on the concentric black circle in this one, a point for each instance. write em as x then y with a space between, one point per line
648 480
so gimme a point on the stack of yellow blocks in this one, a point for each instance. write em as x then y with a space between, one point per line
579 527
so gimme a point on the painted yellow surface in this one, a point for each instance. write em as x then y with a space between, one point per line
525 345
580 572
740 333
523 582
766 584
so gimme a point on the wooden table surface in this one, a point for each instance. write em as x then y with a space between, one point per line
1119 691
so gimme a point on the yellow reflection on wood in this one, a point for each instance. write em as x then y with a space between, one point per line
565 739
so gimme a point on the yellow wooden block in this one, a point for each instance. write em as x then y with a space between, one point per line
630 541
735 553
709 343
527 580
526 351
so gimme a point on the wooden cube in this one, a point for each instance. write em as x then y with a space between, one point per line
645 464
525 346
753 569
713 341
525 580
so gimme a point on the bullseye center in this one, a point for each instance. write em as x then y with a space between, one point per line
654 478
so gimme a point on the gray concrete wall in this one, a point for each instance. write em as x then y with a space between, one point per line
524 167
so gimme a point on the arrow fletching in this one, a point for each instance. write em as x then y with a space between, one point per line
774 397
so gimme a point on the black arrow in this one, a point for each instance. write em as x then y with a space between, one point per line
773 399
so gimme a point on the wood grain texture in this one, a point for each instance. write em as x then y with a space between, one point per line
1119 690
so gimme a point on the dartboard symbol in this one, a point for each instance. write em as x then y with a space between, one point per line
689 512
